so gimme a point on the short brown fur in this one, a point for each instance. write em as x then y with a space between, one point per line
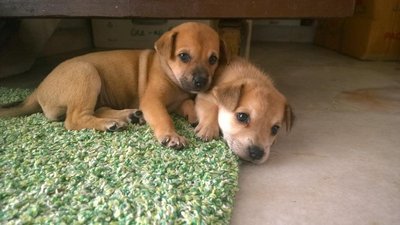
104 90
239 88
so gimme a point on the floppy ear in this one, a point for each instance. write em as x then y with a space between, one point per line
165 45
289 117
228 95
225 55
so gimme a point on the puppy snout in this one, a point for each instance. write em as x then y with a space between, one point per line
200 79
255 152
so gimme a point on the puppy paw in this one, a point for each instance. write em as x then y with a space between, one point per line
173 141
112 126
192 119
207 132
187 110
136 117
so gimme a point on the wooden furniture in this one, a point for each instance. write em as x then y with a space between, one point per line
240 10
207 9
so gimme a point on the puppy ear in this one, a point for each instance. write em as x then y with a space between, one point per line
289 117
225 55
165 45
228 95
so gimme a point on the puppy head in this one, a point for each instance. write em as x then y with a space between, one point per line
250 117
190 53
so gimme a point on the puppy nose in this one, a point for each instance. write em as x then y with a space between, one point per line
200 78
255 152
200 81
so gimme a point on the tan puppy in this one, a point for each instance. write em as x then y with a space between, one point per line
246 107
103 90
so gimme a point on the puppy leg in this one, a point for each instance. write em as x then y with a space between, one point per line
78 119
80 115
80 99
156 115
187 110
127 115
207 113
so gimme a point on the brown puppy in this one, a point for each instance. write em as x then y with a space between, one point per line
103 90
246 107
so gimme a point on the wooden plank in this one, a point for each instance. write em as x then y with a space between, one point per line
251 9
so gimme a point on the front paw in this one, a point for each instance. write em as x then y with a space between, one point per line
207 132
192 119
173 141
116 125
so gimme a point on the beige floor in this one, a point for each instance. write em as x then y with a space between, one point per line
341 162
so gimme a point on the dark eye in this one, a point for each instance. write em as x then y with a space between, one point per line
213 60
243 117
274 129
185 57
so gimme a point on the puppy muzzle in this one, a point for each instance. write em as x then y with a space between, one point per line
198 81
255 152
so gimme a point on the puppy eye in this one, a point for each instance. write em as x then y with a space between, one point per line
185 57
213 60
274 129
243 117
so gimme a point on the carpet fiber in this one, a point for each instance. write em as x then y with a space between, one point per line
49 175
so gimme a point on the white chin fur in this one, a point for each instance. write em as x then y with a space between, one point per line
225 120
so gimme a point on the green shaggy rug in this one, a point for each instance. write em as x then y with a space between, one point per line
49 175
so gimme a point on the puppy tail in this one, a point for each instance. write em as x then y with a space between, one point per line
21 108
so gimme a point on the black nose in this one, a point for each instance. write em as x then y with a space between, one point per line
200 81
255 152
200 78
